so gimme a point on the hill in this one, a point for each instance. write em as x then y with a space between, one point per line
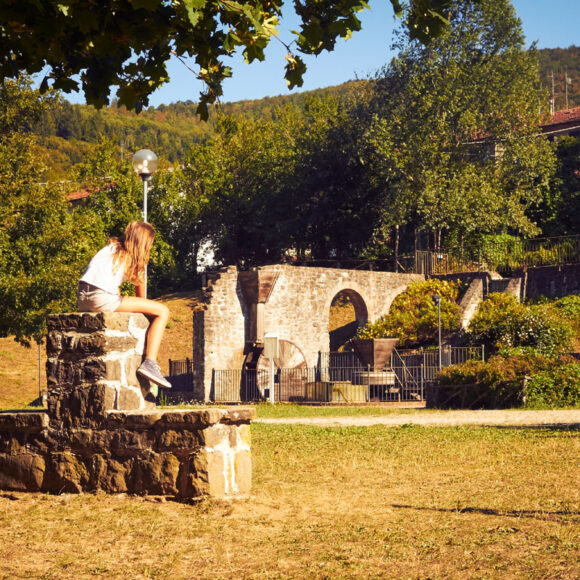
560 74
68 131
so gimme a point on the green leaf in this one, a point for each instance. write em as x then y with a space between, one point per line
295 69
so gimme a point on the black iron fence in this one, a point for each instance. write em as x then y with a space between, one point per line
340 378
503 257
181 374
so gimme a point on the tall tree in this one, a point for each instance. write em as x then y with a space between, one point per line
454 145
127 43
43 247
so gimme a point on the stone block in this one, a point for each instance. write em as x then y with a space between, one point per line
129 398
125 322
177 441
244 437
242 471
132 363
76 345
203 475
22 471
128 442
109 475
113 370
79 321
86 405
71 372
89 441
144 419
216 435
23 421
53 343
237 415
197 418
121 344
154 473
65 473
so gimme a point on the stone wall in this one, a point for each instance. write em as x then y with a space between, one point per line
296 307
186 453
552 281
102 430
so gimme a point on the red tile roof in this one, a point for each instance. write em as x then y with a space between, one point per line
76 195
564 117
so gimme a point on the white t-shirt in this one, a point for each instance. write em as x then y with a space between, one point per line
101 273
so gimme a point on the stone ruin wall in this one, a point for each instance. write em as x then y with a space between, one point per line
297 310
102 430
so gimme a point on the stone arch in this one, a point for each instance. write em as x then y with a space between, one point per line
346 324
290 301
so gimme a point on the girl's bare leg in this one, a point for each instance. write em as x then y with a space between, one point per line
158 314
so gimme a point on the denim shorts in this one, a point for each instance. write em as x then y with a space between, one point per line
93 299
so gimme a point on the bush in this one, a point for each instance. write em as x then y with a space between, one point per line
501 321
557 387
495 321
413 316
497 383
513 377
569 307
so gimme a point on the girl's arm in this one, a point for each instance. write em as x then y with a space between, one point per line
140 290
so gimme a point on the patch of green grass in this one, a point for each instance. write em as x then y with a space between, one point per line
281 410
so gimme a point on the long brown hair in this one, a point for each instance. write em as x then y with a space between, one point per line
132 251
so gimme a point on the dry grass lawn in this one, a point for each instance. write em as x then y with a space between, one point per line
19 373
374 502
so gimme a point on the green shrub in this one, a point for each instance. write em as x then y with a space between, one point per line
497 383
501 321
413 316
495 321
569 306
556 387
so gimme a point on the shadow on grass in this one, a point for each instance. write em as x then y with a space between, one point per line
533 514
543 427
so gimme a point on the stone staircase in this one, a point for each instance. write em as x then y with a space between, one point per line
483 284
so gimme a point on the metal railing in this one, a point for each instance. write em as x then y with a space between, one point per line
340 378
181 374
501 257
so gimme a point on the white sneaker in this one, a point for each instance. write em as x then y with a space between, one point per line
150 370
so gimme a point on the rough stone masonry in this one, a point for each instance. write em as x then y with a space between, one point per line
102 430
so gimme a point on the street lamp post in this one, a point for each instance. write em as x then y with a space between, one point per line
437 299
145 165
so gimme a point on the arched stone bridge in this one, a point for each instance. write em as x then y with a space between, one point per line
293 302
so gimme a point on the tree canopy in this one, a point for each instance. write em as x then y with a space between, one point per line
127 43
42 246
454 144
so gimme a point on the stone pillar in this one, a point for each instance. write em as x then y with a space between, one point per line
92 359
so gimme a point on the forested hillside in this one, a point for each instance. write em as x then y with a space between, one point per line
70 131
562 65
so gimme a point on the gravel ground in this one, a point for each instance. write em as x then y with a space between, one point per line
511 418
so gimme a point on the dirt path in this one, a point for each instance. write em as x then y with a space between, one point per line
511 418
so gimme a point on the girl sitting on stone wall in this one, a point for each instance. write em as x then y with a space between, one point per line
125 259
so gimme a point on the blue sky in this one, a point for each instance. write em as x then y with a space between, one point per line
552 23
